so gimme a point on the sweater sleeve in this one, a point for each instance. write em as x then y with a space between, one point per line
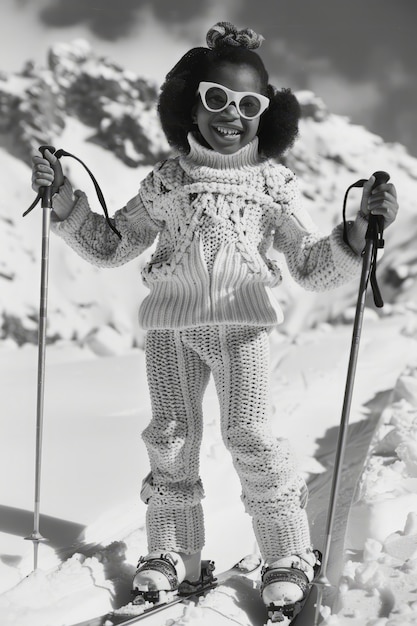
316 261
89 235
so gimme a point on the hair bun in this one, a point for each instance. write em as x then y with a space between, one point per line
225 34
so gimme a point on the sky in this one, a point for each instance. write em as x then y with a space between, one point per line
359 56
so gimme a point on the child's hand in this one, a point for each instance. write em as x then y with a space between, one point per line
46 171
379 201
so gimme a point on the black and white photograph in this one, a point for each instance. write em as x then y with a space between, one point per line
208 313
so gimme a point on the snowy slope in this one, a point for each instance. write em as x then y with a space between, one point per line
93 441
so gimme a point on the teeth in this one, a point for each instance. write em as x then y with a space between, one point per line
227 131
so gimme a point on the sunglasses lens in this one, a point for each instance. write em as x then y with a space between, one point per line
250 106
216 98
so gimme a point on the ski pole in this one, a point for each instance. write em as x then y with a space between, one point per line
373 240
45 194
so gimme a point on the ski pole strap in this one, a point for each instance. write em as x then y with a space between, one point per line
359 183
60 153
34 203
99 193
374 232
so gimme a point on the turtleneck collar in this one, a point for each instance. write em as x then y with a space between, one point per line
200 155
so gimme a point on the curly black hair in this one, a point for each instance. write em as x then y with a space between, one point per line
278 126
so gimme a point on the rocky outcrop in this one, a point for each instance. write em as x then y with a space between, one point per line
117 105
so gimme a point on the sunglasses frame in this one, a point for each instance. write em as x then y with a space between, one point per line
232 96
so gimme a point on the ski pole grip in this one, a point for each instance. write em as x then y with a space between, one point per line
42 150
46 192
376 222
381 177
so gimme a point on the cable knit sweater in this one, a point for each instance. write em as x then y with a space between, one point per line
215 216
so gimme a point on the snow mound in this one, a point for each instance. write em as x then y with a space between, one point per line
379 579
77 588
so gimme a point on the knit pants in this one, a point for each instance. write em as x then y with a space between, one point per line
179 363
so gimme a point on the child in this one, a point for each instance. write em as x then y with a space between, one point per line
216 209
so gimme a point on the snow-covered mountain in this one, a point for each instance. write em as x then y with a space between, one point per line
106 116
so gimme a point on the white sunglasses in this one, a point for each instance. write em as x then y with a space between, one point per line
216 98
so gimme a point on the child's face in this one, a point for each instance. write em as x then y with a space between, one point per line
226 131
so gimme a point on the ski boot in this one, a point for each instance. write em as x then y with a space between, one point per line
161 576
285 584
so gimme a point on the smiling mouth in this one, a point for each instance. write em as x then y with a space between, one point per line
227 132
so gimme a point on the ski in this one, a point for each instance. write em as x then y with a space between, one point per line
133 613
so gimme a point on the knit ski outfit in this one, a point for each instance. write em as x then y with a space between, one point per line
210 310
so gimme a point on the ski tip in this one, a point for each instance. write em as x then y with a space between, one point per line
249 563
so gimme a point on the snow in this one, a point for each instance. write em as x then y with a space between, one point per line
94 460
97 404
